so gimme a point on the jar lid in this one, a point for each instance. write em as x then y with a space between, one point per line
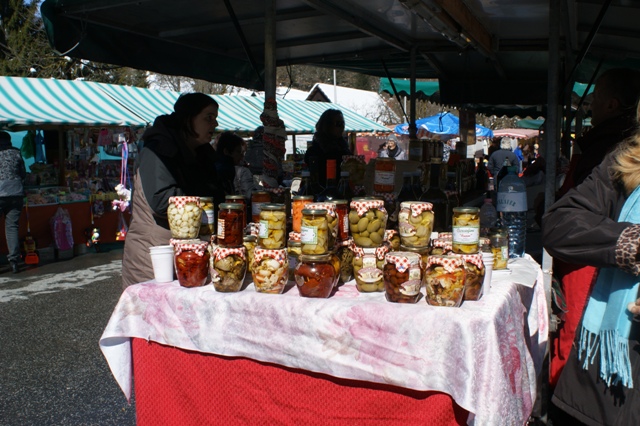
378 252
278 254
234 197
466 210
222 252
329 207
339 202
273 207
449 262
302 198
416 207
294 243
180 201
197 246
294 236
206 200
315 257
231 206
403 259
315 212
365 204
475 259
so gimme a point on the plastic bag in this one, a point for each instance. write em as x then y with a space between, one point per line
62 231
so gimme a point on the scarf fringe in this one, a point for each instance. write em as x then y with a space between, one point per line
615 366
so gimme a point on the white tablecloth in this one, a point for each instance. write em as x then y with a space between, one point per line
485 354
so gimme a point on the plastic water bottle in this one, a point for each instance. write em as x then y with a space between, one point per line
512 205
488 217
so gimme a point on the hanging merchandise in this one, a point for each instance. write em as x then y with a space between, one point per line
92 233
61 228
41 156
28 145
123 228
124 194
31 255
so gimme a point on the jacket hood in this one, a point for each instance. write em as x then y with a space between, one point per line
162 135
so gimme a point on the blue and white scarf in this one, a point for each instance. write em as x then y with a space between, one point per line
607 322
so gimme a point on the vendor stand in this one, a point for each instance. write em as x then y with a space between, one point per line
201 357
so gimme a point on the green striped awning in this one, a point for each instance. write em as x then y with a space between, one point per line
49 102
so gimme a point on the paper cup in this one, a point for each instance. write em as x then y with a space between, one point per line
162 261
487 259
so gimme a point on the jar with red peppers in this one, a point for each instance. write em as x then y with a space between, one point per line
239 199
191 262
270 270
402 276
445 280
230 231
342 210
315 275
474 268
228 268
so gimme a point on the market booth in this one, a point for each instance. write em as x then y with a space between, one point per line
204 357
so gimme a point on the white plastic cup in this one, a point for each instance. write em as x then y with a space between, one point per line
487 259
162 261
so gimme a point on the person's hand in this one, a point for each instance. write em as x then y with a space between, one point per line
634 308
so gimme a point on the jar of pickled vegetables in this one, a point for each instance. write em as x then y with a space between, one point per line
191 262
392 238
270 270
342 210
298 203
384 177
208 216
423 252
474 268
415 223
314 232
315 275
239 199
249 242
466 230
441 246
367 221
230 231
499 247
294 250
273 226
344 252
402 274
228 268
368 263
258 198
332 220
185 216
445 280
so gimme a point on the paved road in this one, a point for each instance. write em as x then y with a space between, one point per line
52 371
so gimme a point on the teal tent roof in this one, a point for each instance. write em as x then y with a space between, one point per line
31 102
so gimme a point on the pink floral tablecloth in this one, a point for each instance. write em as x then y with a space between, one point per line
485 354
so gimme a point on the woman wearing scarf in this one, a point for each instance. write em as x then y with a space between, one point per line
328 144
393 150
598 224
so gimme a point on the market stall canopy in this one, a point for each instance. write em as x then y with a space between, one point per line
483 52
538 124
516 133
441 126
47 103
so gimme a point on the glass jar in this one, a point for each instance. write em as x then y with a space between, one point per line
390 205
314 231
466 230
332 220
345 254
258 198
342 210
294 250
402 274
392 238
315 275
440 246
270 270
335 261
445 280
384 177
208 216
184 215
297 205
474 268
367 268
228 268
367 222
272 226
191 262
249 242
239 199
499 239
230 231
415 223
424 254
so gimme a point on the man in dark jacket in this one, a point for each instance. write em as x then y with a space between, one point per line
12 175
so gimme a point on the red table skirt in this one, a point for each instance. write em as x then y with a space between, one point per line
178 387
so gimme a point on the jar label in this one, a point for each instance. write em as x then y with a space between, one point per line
369 261
466 234
256 208
221 229
207 218
309 234
411 287
384 178
345 225
263 229
415 273
511 202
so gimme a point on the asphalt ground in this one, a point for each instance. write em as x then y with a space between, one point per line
52 371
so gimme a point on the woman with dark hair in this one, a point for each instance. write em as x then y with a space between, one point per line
235 176
328 144
177 159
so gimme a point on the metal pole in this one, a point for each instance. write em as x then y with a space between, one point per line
270 49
